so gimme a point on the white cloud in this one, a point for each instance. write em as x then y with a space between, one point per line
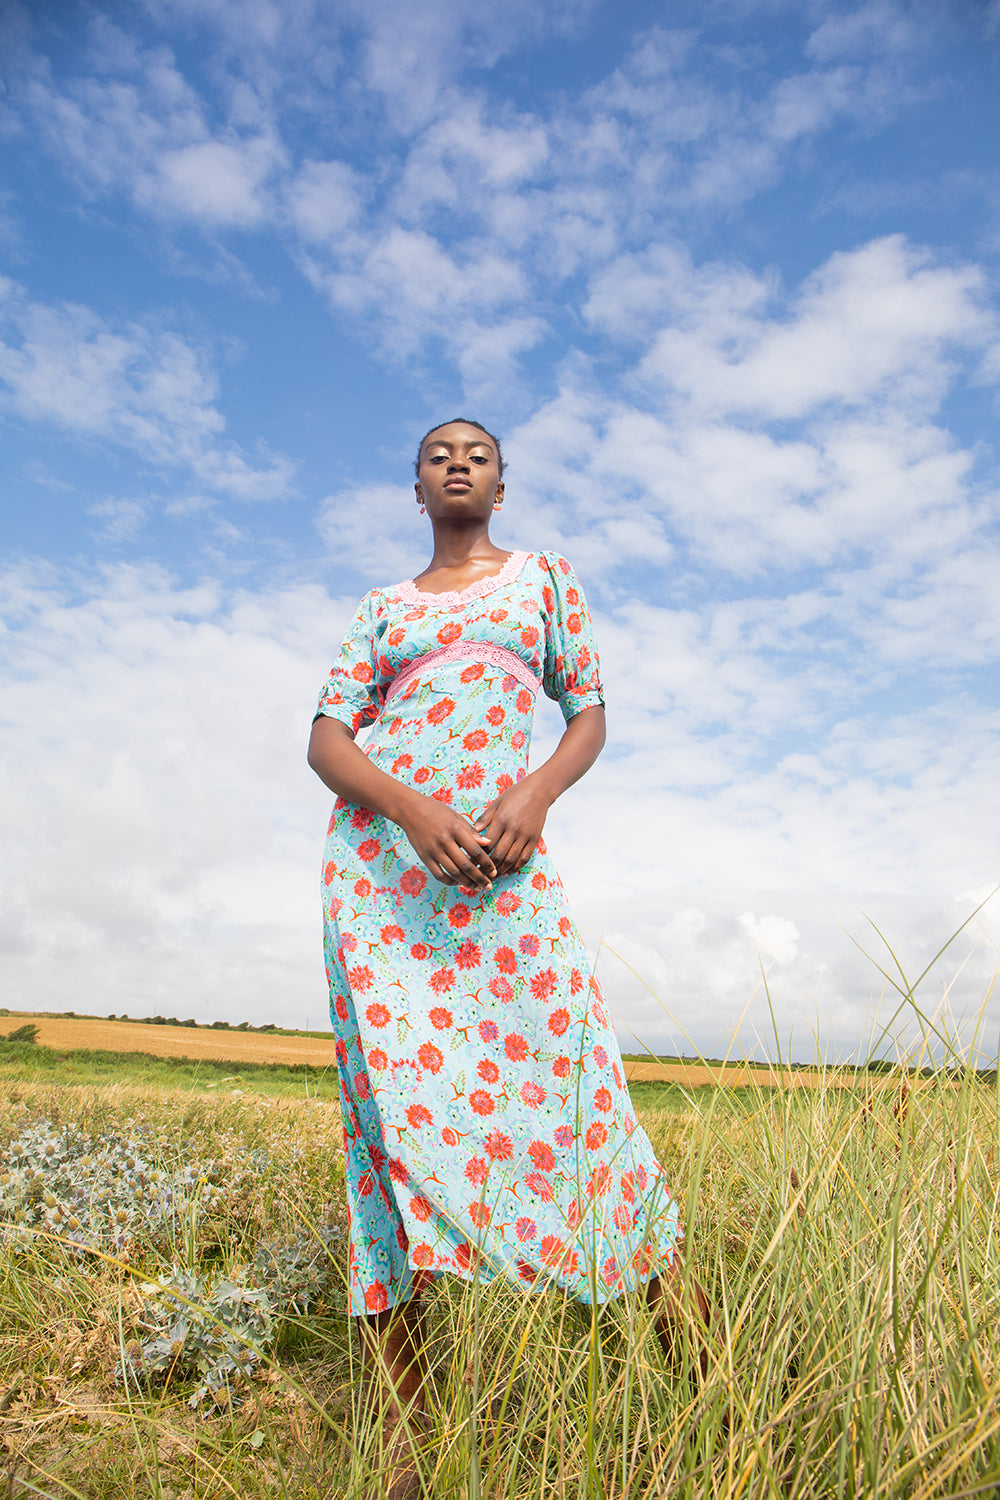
164 840
324 199
214 182
873 324
144 388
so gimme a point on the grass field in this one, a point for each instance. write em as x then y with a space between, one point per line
848 1239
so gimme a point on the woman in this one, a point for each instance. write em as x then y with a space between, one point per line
488 1127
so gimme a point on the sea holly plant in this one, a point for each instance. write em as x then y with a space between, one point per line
98 1194
128 1195
219 1330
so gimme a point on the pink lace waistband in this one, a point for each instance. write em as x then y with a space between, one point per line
485 651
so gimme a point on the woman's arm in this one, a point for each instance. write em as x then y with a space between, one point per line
516 818
447 843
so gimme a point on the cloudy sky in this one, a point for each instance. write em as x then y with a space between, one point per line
723 274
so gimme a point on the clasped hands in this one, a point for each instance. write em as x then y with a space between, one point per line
474 852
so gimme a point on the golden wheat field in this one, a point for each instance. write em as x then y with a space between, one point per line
65 1033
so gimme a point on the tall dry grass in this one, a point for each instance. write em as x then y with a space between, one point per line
848 1241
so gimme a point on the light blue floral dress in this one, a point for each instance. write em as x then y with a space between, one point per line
488 1129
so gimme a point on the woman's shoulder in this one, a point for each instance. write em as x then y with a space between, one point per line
553 562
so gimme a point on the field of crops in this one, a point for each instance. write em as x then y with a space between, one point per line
171 1309
93 1033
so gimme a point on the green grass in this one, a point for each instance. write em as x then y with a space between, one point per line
31 1064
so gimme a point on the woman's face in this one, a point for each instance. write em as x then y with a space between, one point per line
459 473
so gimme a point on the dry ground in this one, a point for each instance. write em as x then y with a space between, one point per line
92 1033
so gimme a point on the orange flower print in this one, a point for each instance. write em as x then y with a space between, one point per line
449 1136
480 1214
538 881
482 1102
369 850
443 794
532 1094
362 672
392 933
440 711
596 1135
477 1170
515 1047
449 633
504 782
559 1022
473 673
430 1058
422 1254
525 701
422 774
401 763
459 915
505 959
487 1070
412 882
561 1067
488 1031
362 888
441 981
500 989
417 1115
525 1229
602 1099
361 817
507 903
529 945
599 1181
440 1017
539 1185
543 984
574 624
542 1155
529 636
476 739
376 1297
420 951
499 1146
378 1015
470 777
518 739
551 1250
377 1060
361 978
495 715
468 955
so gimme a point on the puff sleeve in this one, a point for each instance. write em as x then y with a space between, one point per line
354 692
571 673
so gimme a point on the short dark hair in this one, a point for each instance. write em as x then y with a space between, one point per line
467 422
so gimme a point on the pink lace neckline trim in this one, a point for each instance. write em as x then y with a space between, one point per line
410 594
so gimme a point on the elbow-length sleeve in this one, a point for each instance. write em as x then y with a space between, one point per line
571 673
354 692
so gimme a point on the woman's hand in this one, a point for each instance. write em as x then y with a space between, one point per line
513 823
451 848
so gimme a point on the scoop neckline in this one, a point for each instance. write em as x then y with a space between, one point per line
478 590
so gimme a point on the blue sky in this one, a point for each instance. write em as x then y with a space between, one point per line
724 278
